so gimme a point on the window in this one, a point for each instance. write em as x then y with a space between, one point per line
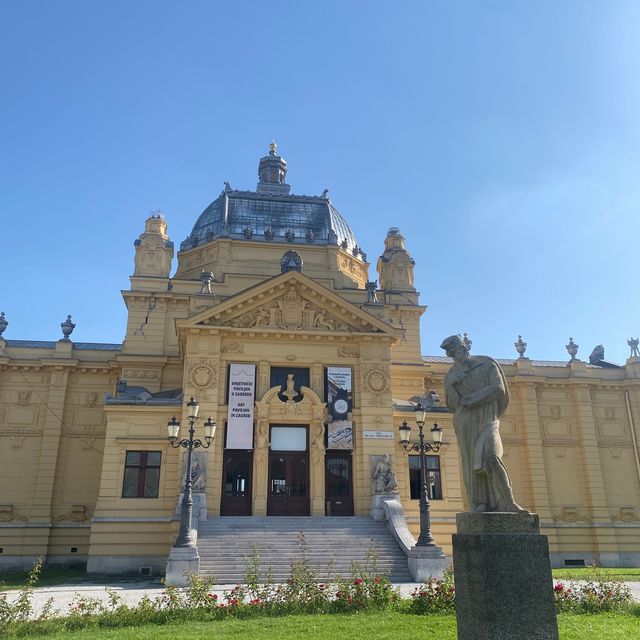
433 477
141 474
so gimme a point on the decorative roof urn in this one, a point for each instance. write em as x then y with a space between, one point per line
67 328
572 349
521 346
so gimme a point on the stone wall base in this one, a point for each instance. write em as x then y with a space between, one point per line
139 566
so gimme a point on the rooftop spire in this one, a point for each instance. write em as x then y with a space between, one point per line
272 172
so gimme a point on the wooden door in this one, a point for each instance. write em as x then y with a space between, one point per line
236 483
338 483
288 484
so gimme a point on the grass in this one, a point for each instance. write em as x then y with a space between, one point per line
379 625
49 576
608 573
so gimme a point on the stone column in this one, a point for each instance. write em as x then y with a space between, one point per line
261 468
317 451
596 499
531 430
51 434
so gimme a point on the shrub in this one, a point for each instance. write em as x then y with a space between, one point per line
592 596
435 595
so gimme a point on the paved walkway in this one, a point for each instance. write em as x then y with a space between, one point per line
133 591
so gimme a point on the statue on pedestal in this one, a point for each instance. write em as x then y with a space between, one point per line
476 389
384 476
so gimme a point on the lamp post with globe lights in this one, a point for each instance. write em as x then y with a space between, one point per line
186 537
425 538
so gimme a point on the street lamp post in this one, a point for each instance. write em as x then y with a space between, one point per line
425 538
186 537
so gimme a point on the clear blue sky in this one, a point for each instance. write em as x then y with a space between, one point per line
501 137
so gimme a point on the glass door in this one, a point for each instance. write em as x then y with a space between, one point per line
288 492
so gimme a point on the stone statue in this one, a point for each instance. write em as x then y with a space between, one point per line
372 296
633 345
597 354
476 389
321 321
198 471
290 391
385 477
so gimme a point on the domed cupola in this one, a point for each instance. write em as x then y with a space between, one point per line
272 214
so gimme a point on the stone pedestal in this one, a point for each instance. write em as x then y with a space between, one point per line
504 589
182 561
377 500
426 562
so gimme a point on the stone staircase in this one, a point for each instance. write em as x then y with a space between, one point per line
332 544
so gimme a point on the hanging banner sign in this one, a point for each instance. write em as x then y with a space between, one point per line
339 405
242 384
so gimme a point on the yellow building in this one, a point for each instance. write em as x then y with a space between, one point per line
273 289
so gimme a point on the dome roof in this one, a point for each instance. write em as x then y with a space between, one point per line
272 214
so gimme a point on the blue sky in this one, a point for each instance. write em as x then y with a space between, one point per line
501 137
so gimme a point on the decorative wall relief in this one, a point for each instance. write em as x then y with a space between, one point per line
77 513
140 375
24 397
9 513
376 378
232 347
570 515
91 399
346 351
626 515
202 372
16 442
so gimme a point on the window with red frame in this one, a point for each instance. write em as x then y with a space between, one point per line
141 474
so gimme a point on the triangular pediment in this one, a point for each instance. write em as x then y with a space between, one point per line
289 302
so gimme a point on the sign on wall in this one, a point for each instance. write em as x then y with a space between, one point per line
242 383
339 405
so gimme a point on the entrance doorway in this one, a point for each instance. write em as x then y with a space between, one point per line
339 484
288 492
236 483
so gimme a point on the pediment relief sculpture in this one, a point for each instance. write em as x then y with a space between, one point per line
292 312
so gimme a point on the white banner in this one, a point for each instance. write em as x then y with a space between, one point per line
242 383
339 403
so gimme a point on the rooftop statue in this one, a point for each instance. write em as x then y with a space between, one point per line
476 389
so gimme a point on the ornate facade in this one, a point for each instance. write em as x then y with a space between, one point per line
278 282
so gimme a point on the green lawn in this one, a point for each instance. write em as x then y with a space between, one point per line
381 626
583 573
49 576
